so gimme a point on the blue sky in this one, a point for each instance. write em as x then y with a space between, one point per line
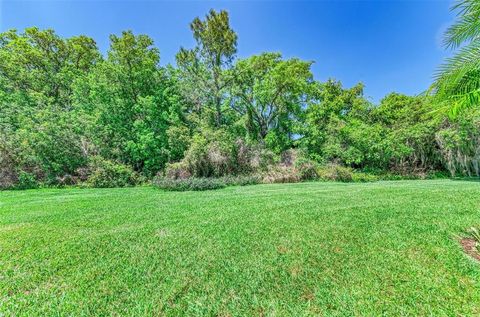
387 45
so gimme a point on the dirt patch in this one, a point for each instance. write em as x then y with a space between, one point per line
469 245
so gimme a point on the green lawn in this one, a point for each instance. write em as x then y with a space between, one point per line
386 248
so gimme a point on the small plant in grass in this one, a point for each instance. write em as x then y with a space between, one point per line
475 234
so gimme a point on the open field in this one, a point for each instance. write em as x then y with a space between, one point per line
386 248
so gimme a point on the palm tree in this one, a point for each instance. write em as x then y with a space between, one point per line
457 82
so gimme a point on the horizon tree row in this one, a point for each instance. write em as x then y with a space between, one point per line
68 114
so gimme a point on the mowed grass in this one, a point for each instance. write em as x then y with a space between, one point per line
309 249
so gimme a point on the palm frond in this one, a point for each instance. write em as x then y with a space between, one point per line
465 60
457 81
467 26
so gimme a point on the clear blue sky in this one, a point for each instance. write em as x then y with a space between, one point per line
387 45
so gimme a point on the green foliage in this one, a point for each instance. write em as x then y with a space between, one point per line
63 106
9 162
269 93
215 153
329 111
128 92
26 181
475 234
38 73
203 183
203 70
281 174
359 177
459 143
105 173
179 139
336 173
306 168
211 154
177 170
457 84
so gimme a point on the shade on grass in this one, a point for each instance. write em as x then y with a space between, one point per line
289 249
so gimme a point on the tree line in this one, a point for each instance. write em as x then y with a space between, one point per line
70 114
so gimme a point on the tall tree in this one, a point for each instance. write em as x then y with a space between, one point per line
38 72
330 106
203 69
128 91
41 67
269 93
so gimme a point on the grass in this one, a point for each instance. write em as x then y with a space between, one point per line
309 249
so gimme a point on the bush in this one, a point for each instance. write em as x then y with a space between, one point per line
389 176
294 167
177 170
66 180
282 174
335 172
26 181
210 155
189 184
250 158
306 169
217 154
105 173
364 177
438 175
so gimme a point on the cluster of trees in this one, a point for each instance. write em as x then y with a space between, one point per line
68 113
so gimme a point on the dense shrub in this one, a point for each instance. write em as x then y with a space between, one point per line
281 174
459 144
293 167
217 154
335 172
250 158
210 155
203 183
26 181
359 177
105 173
178 170
178 140
306 169
189 184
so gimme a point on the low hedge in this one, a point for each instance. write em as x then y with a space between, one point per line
189 184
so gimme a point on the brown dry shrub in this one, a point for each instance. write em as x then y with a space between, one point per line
281 174
177 170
